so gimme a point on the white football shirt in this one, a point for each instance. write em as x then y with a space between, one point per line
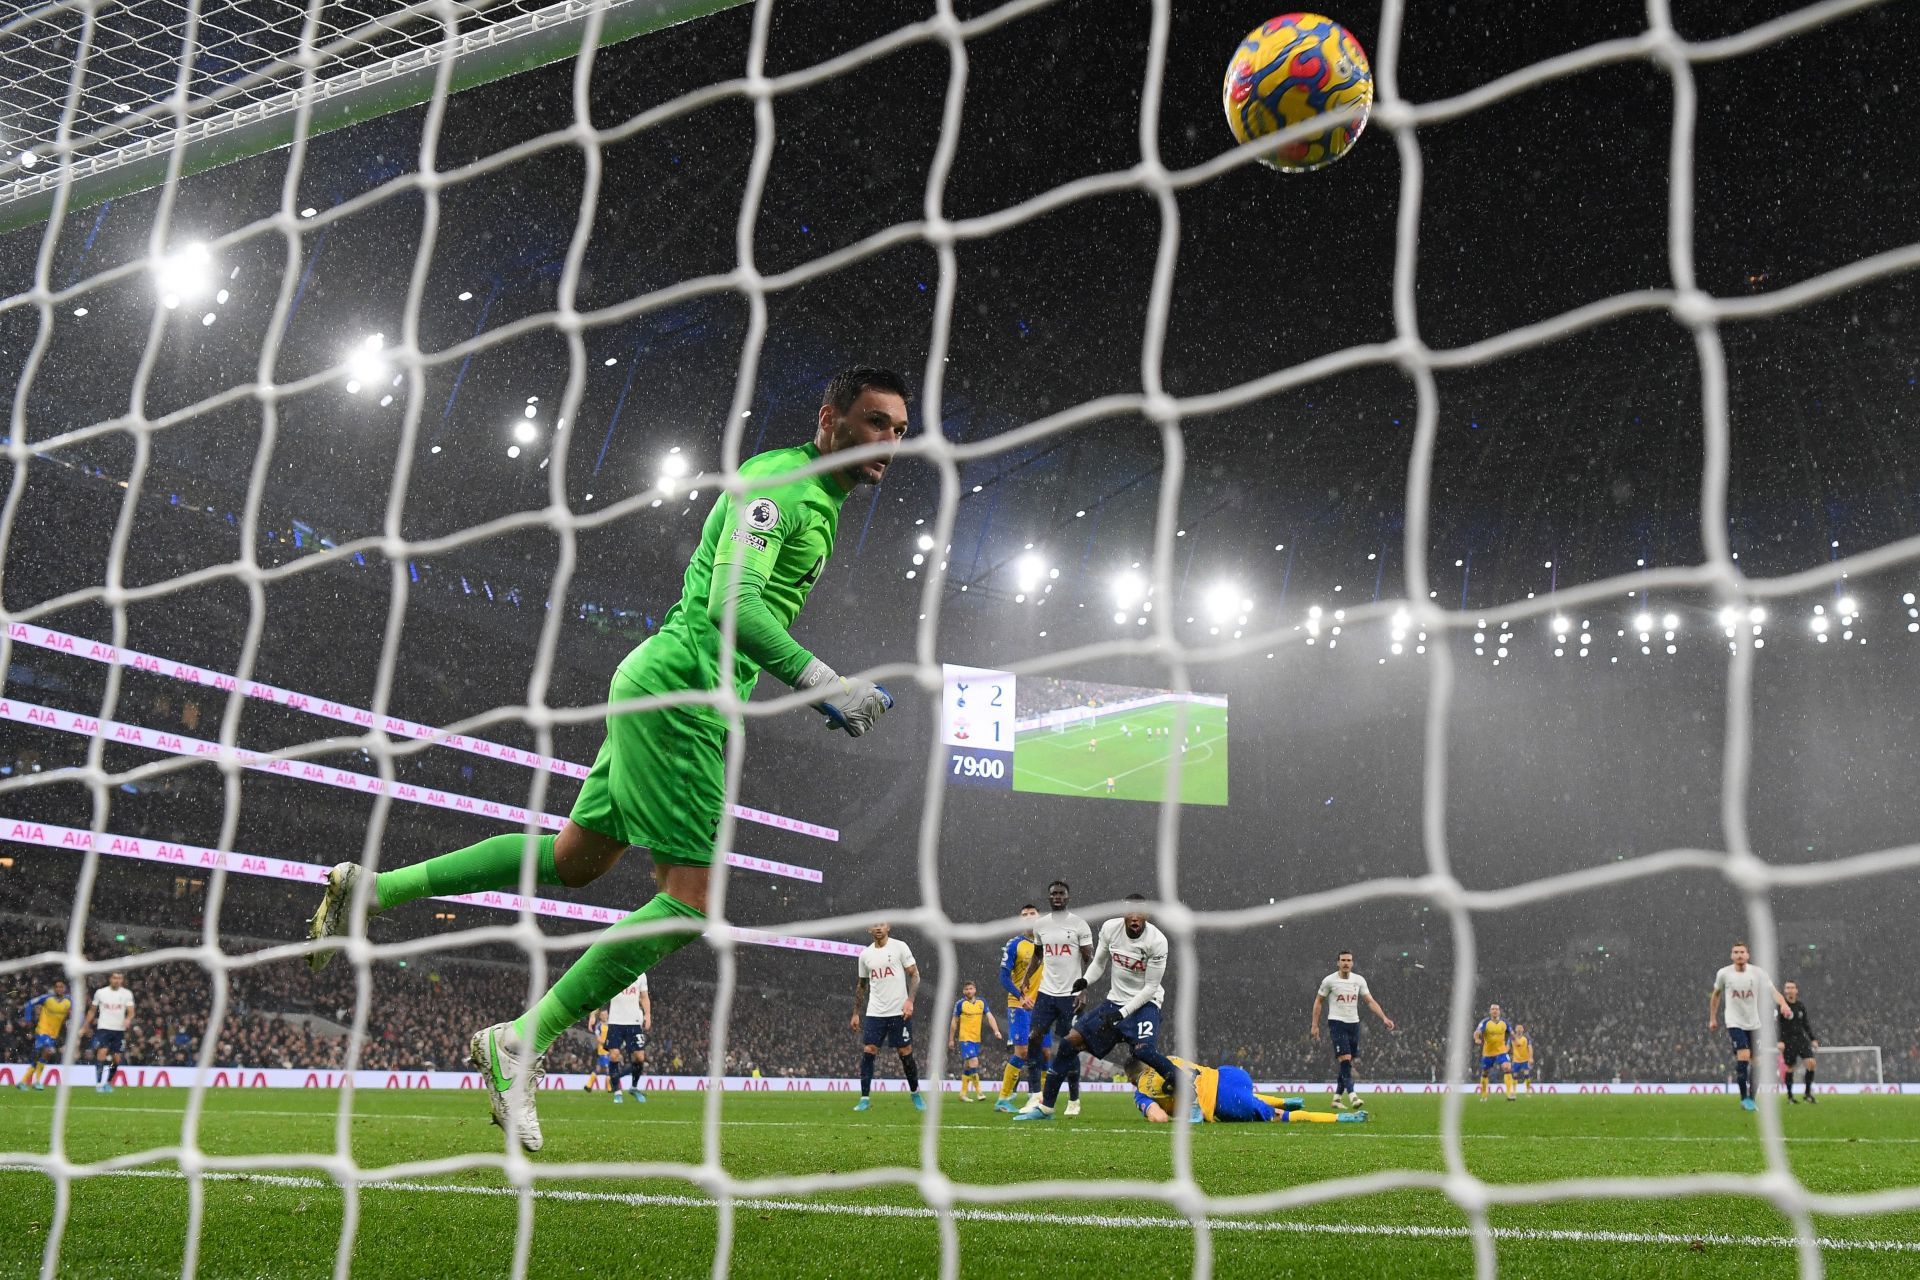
1060 935
624 1009
113 1006
1138 963
1343 996
885 969
1746 993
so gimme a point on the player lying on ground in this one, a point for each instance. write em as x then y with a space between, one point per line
1223 1094
963 1032
660 779
1130 1013
109 1014
47 1014
883 1010
1742 984
1798 1043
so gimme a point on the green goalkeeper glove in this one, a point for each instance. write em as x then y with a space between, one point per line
848 702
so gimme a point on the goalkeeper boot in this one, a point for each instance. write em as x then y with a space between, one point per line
1072 1109
1038 1111
919 1101
863 1105
1746 1104
1351 1117
513 1073
637 1095
618 1097
330 919
1006 1105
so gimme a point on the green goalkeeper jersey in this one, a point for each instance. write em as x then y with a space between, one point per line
780 533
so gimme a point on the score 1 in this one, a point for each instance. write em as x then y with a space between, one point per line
976 727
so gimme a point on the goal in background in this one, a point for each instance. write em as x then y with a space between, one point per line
79 145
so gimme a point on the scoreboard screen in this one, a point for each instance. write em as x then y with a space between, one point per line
1081 737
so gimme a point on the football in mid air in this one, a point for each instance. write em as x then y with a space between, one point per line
1288 70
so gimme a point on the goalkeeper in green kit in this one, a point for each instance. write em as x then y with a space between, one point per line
660 779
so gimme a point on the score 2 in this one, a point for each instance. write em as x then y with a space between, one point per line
977 727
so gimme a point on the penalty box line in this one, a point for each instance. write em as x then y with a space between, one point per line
1022 1217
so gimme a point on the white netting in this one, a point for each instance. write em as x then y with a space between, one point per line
66 130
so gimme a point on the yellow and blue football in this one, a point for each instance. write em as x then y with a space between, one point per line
1288 70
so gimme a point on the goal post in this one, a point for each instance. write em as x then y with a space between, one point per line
118 148
1851 1064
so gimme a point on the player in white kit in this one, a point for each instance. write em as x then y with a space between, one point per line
629 1018
1742 984
107 1018
1131 1011
1340 995
1066 948
883 1010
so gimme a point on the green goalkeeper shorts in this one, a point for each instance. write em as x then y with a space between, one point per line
660 780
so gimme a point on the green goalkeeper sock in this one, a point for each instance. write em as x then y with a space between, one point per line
494 863
606 968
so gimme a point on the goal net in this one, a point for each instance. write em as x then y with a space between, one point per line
263 259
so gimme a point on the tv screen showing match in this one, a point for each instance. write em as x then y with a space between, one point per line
1065 737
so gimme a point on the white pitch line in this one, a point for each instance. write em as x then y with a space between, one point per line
636 1199
1347 1133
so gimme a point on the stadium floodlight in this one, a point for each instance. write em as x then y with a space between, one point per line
1756 614
1219 601
1643 622
924 542
365 365
1819 625
1728 616
1849 606
183 276
1129 589
1562 624
1028 571
1671 622
524 431
513 451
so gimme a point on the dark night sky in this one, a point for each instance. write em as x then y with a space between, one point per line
1585 453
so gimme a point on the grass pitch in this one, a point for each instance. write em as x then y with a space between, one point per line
1079 761
131 1223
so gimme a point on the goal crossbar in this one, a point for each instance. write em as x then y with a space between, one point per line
118 159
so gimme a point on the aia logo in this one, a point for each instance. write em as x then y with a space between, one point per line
1059 949
883 972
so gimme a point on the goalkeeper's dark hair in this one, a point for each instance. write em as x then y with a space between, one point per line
1028 906
846 385
1061 884
1135 897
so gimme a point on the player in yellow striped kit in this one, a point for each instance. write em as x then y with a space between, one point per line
1491 1035
969 1011
1020 978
